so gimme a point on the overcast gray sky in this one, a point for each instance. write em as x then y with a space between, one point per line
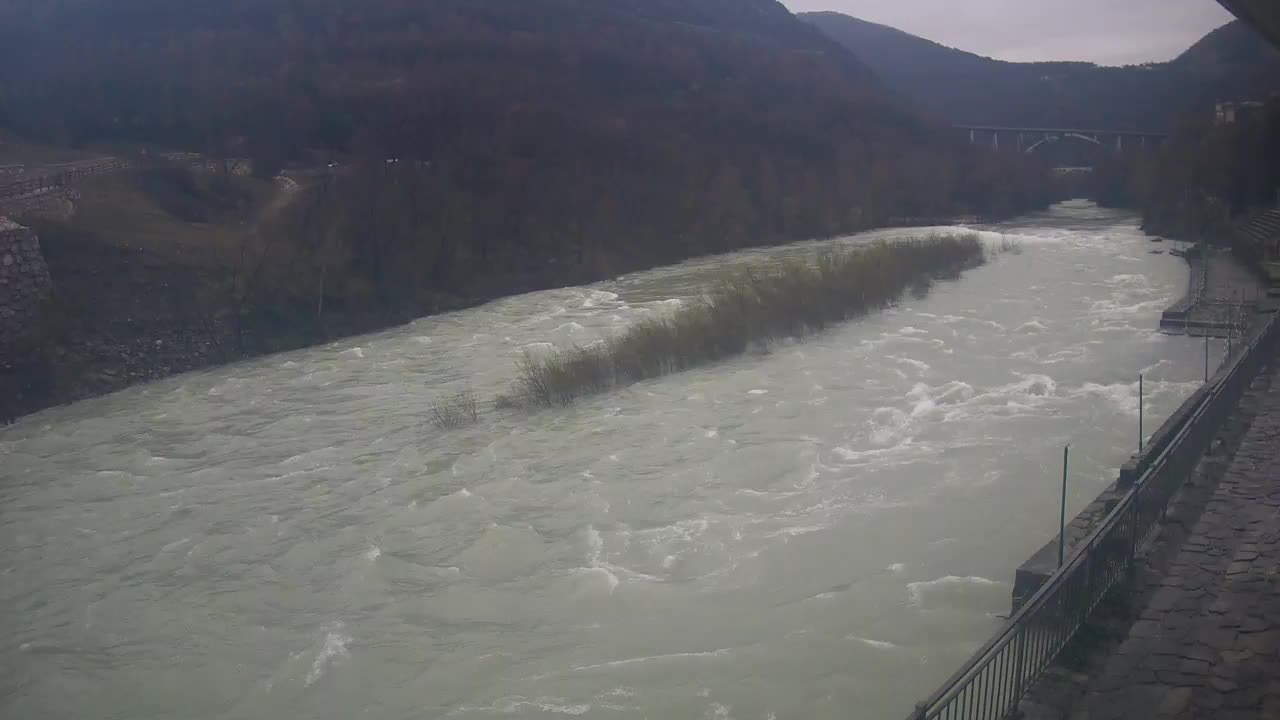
1109 32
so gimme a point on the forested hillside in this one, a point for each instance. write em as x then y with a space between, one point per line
1231 63
604 133
1205 178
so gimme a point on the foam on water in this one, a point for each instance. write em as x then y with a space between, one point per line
1123 397
611 573
1033 326
877 644
796 531
888 426
595 298
723 652
948 590
919 365
610 580
333 650
719 711
520 705
904 451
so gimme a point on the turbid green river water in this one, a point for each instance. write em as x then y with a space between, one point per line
825 530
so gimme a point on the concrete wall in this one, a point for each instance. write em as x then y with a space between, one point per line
1037 570
24 284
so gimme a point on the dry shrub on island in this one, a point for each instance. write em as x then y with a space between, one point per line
791 300
456 411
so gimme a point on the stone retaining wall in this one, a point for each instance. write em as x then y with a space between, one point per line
24 284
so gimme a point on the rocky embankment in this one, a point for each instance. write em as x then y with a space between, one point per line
24 283
82 318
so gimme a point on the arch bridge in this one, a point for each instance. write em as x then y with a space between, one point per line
1028 140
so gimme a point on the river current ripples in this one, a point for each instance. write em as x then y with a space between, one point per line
826 529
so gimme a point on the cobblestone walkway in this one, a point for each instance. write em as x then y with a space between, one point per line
1229 283
1208 643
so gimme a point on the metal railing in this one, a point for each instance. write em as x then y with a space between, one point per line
1199 278
991 684
59 176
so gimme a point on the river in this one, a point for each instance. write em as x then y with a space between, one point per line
827 529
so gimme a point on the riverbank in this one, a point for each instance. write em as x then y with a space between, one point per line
124 314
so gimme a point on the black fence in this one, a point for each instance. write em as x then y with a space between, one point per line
58 176
991 684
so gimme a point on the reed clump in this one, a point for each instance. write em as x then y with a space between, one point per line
752 306
456 411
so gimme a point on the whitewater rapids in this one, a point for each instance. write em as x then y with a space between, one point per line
825 530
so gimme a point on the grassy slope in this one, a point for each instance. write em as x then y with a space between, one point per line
125 212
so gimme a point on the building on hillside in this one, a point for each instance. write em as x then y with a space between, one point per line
1229 113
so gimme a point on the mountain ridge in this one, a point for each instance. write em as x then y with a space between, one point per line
960 87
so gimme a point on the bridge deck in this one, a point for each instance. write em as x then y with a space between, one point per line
1110 133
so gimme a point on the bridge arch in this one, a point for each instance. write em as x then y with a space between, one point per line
1055 138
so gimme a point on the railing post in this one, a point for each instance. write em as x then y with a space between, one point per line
1019 671
1090 582
1062 518
1133 539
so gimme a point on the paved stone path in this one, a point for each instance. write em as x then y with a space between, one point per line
1208 643
1219 290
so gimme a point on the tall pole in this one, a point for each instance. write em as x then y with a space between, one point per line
1206 356
1141 437
1232 316
1062 517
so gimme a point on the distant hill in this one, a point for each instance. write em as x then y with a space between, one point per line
963 88
1232 63
1232 46
183 71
